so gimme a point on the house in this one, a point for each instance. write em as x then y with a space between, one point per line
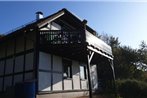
56 56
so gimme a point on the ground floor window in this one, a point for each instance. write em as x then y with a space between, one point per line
67 68
83 72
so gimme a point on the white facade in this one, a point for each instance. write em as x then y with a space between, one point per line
51 74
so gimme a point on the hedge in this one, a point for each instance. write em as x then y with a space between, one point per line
131 88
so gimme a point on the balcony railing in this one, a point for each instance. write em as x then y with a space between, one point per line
78 39
60 37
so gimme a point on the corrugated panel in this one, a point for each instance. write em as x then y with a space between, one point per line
98 44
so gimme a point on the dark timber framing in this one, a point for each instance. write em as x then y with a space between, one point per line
62 76
36 56
51 72
17 54
14 56
80 78
4 65
24 60
89 75
72 75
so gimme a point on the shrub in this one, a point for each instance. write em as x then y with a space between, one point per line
131 88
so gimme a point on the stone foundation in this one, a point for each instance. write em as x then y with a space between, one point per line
64 95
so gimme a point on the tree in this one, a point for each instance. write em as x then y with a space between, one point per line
142 51
125 58
110 40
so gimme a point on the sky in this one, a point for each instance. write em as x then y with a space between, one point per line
125 20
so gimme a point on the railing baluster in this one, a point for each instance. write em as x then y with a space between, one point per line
60 37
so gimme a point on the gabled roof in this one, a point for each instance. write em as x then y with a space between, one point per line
39 23
106 49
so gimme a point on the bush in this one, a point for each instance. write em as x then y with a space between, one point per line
131 88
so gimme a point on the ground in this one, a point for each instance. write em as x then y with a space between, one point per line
94 96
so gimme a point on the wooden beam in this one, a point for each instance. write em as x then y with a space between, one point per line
14 57
36 57
113 72
89 75
50 19
91 56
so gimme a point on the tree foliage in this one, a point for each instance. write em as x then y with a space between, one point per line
132 88
128 62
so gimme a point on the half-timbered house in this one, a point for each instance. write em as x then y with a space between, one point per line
58 56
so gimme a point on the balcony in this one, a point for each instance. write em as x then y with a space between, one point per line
65 43
72 43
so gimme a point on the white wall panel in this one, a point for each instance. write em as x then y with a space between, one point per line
84 84
7 82
67 84
2 50
48 27
94 77
10 47
44 81
1 67
19 63
44 61
1 84
18 78
29 61
9 66
57 63
30 40
29 76
19 44
76 77
57 81
55 26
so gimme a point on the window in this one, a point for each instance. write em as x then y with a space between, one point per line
83 72
67 68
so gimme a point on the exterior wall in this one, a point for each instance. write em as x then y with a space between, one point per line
44 72
52 26
94 77
57 73
51 75
55 26
76 76
51 71
16 60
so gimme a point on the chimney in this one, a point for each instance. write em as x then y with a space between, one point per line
39 15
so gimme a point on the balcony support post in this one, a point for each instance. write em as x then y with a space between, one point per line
89 58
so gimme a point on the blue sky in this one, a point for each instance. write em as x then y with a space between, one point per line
125 20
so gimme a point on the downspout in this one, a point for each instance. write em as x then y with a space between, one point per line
88 62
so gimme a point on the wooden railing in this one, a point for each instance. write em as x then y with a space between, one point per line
60 37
